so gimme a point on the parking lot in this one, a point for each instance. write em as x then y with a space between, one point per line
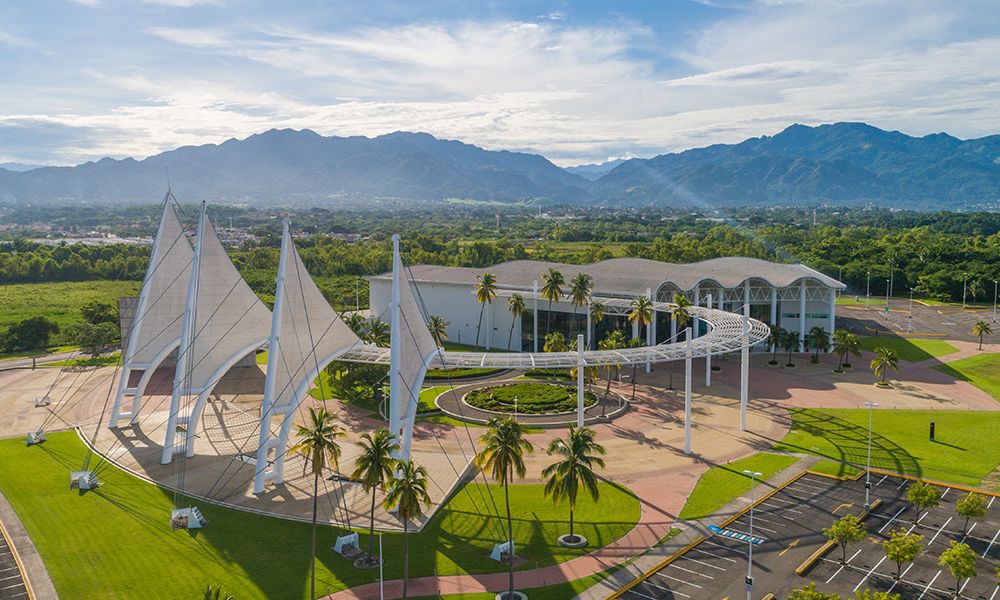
787 530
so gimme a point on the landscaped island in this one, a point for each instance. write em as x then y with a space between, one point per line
532 398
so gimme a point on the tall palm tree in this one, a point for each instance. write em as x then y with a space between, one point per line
374 467
580 287
819 339
637 343
791 343
378 332
574 467
407 491
438 328
502 455
554 342
516 305
885 359
318 444
844 344
981 328
596 315
641 313
552 291
486 291
682 311
357 324
615 340
774 342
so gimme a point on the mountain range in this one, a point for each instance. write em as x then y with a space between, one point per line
840 164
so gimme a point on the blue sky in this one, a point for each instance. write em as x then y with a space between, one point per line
578 82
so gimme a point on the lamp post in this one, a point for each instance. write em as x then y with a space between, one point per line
868 471
965 280
909 327
887 295
753 476
994 300
515 408
868 287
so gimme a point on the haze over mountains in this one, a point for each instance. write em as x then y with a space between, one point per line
842 164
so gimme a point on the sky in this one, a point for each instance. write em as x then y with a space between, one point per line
578 82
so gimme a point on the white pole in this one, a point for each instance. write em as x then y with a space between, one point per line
995 300
649 328
745 368
868 470
395 349
909 325
687 398
965 280
381 576
534 337
708 357
580 368
887 286
868 287
753 475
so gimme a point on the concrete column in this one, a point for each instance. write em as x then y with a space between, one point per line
649 327
774 306
534 288
580 368
722 297
589 336
745 369
697 302
687 399
802 314
708 357
832 322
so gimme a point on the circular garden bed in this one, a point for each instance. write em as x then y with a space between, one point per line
532 398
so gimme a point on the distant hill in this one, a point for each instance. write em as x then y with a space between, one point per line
302 167
19 167
840 164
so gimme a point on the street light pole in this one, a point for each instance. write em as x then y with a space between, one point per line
909 327
887 295
868 471
995 300
868 287
965 280
753 475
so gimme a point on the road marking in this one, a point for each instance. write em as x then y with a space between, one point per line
679 580
732 560
939 531
969 532
929 585
963 586
901 484
945 493
665 589
676 566
724 547
632 591
694 560
994 592
889 522
863 579
991 543
991 504
883 479
843 565
790 546
845 505
907 570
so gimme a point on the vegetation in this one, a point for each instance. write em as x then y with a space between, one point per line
373 468
885 359
922 497
92 337
961 561
438 328
971 505
844 531
910 350
551 291
30 334
486 291
516 306
720 484
902 548
407 493
845 344
980 329
532 398
575 468
982 371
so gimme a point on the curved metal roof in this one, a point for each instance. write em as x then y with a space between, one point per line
631 275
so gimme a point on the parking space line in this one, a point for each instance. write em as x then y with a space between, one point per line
914 526
991 543
939 531
991 504
844 565
865 578
736 550
907 570
994 592
710 566
680 580
880 480
824 490
945 493
889 522
901 484
928 585
715 555
969 532
675 566
632 591
779 515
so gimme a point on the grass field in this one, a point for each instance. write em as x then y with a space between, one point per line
428 396
59 302
836 469
719 485
850 301
900 441
982 371
910 350
115 542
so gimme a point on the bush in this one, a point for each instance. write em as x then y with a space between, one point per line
532 398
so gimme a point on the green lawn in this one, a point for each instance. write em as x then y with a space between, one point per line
115 542
719 485
835 468
910 350
59 302
459 374
428 396
900 441
850 301
982 371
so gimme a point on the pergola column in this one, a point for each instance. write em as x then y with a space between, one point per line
708 357
745 368
534 338
695 320
651 327
580 369
802 314
687 398
774 306
832 321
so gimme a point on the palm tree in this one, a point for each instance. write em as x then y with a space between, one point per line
642 312
356 322
580 287
554 342
516 305
378 332
682 311
216 594
845 343
613 341
503 452
374 467
982 328
791 343
885 359
637 343
575 467
318 444
438 328
774 342
552 291
486 291
407 491
819 339
596 315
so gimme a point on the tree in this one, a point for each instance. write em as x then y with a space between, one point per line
870 595
969 506
790 342
641 313
774 341
318 444
615 340
96 311
29 334
92 336
486 291
845 343
961 561
922 496
596 316
810 593
438 328
845 531
982 328
407 491
554 342
502 455
216 594
516 305
357 323
902 548
551 291
682 311
378 332
819 339
374 467
885 359
573 469
580 286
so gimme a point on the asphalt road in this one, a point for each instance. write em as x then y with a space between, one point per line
947 322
